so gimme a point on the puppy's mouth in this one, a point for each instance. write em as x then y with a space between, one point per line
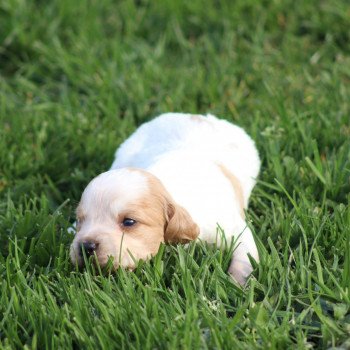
96 265
84 255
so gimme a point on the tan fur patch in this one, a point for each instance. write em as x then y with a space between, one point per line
236 187
179 228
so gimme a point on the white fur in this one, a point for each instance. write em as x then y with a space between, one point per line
99 198
184 152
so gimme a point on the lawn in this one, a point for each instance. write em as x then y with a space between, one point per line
77 77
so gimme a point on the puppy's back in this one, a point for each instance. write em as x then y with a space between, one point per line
205 137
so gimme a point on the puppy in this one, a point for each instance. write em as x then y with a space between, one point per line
174 180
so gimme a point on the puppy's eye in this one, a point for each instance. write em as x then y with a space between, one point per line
129 222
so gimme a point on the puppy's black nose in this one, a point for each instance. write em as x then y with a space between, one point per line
88 247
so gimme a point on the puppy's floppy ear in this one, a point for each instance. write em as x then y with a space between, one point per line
180 227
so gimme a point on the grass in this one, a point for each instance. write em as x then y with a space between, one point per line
77 77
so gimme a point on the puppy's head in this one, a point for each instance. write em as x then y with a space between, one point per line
126 214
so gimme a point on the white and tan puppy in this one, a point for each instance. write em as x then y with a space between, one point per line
175 179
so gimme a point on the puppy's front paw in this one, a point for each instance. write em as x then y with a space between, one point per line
240 270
